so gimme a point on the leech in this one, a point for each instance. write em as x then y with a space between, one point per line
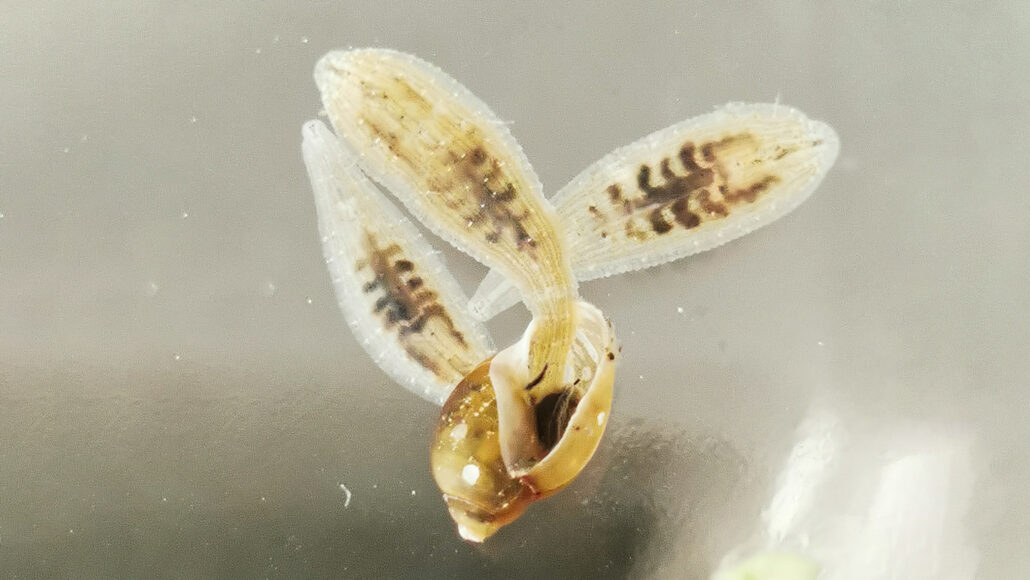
510 432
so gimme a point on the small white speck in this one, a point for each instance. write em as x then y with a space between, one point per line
177 357
275 38
600 418
83 138
470 473
193 119
164 499
303 40
71 531
185 214
375 486
346 499
66 149
459 432
641 377
1 215
152 288
262 498
412 492
679 310
309 301
257 51
269 290
821 343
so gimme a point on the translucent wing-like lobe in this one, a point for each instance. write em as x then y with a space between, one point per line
693 186
494 295
455 166
398 298
452 162
683 190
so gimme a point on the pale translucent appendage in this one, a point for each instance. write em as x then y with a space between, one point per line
400 301
683 190
455 166
494 295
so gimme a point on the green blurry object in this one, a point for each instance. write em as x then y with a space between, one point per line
773 566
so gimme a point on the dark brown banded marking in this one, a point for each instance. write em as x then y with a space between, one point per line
405 303
704 199
600 217
390 138
460 168
685 217
495 196
658 223
632 231
750 194
412 96
782 152
477 156
699 192
615 195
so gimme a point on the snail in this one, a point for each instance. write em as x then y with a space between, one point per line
518 424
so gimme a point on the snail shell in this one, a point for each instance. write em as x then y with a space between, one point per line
482 491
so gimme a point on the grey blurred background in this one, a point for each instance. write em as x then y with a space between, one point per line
180 398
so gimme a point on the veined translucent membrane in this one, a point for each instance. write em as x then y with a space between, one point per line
398 297
683 190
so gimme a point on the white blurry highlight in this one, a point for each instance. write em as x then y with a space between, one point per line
893 510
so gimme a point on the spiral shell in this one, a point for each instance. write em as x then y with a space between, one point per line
481 491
